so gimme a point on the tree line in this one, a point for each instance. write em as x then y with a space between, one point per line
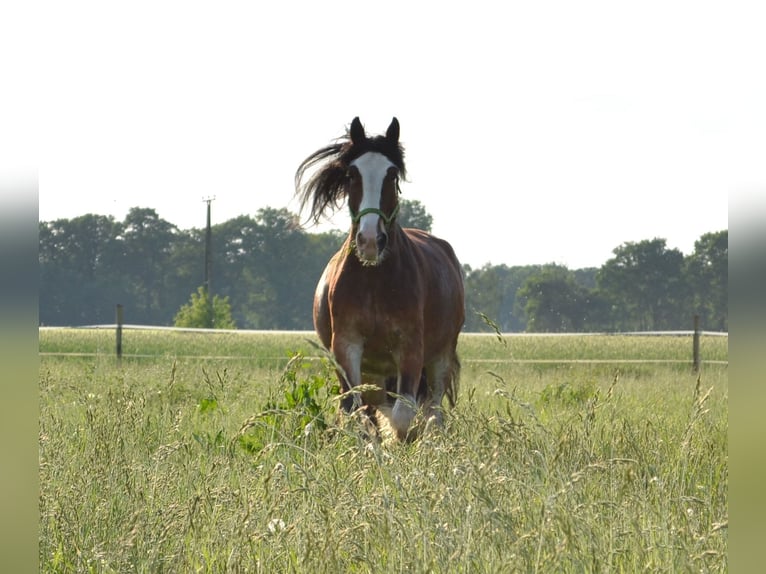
267 267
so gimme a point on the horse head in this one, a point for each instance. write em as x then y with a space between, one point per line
365 171
373 190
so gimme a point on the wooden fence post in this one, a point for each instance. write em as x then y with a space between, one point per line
119 332
696 344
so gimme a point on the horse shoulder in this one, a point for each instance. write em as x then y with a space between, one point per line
322 317
435 252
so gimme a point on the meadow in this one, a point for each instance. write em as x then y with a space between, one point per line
223 452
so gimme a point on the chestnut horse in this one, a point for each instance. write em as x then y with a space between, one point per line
390 303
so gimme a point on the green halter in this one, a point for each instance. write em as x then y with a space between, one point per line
388 219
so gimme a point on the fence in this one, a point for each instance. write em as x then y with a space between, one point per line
695 335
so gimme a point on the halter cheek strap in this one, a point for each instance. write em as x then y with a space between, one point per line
387 219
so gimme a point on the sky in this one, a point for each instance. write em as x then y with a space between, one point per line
535 132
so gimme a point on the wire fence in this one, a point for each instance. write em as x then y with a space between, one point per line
278 359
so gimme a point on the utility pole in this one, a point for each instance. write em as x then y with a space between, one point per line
208 246
209 260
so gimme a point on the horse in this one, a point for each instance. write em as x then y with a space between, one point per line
389 305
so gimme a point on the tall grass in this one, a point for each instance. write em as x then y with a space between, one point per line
176 464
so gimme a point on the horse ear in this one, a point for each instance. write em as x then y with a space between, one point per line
392 133
357 131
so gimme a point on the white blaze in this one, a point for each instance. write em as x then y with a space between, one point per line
373 168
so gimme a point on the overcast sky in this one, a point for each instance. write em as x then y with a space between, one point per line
535 132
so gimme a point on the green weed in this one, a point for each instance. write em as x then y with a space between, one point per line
302 407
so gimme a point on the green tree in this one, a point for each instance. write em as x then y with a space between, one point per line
554 301
203 313
645 284
269 266
262 266
492 290
707 272
146 244
412 213
186 269
79 275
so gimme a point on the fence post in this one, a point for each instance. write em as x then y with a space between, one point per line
119 332
696 344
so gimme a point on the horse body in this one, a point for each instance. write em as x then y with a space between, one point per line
390 303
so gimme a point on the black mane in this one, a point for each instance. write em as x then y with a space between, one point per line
327 186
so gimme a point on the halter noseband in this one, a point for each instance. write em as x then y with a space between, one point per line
387 219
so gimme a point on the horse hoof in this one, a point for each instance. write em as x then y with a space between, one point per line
402 415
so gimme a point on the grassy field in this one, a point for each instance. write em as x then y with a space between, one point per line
223 453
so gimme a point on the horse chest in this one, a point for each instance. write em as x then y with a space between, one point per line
376 318
380 310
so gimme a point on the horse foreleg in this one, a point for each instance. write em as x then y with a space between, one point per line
438 374
406 406
348 357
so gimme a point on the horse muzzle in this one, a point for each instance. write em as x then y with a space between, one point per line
372 236
370 250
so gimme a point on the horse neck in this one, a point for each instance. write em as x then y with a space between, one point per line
397 238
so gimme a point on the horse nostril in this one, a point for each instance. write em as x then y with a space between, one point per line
360 240
382 240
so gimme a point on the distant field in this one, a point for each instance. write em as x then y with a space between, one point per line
213 452
261 346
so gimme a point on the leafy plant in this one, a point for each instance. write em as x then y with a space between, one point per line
304 393
568 394
301 410
202 312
